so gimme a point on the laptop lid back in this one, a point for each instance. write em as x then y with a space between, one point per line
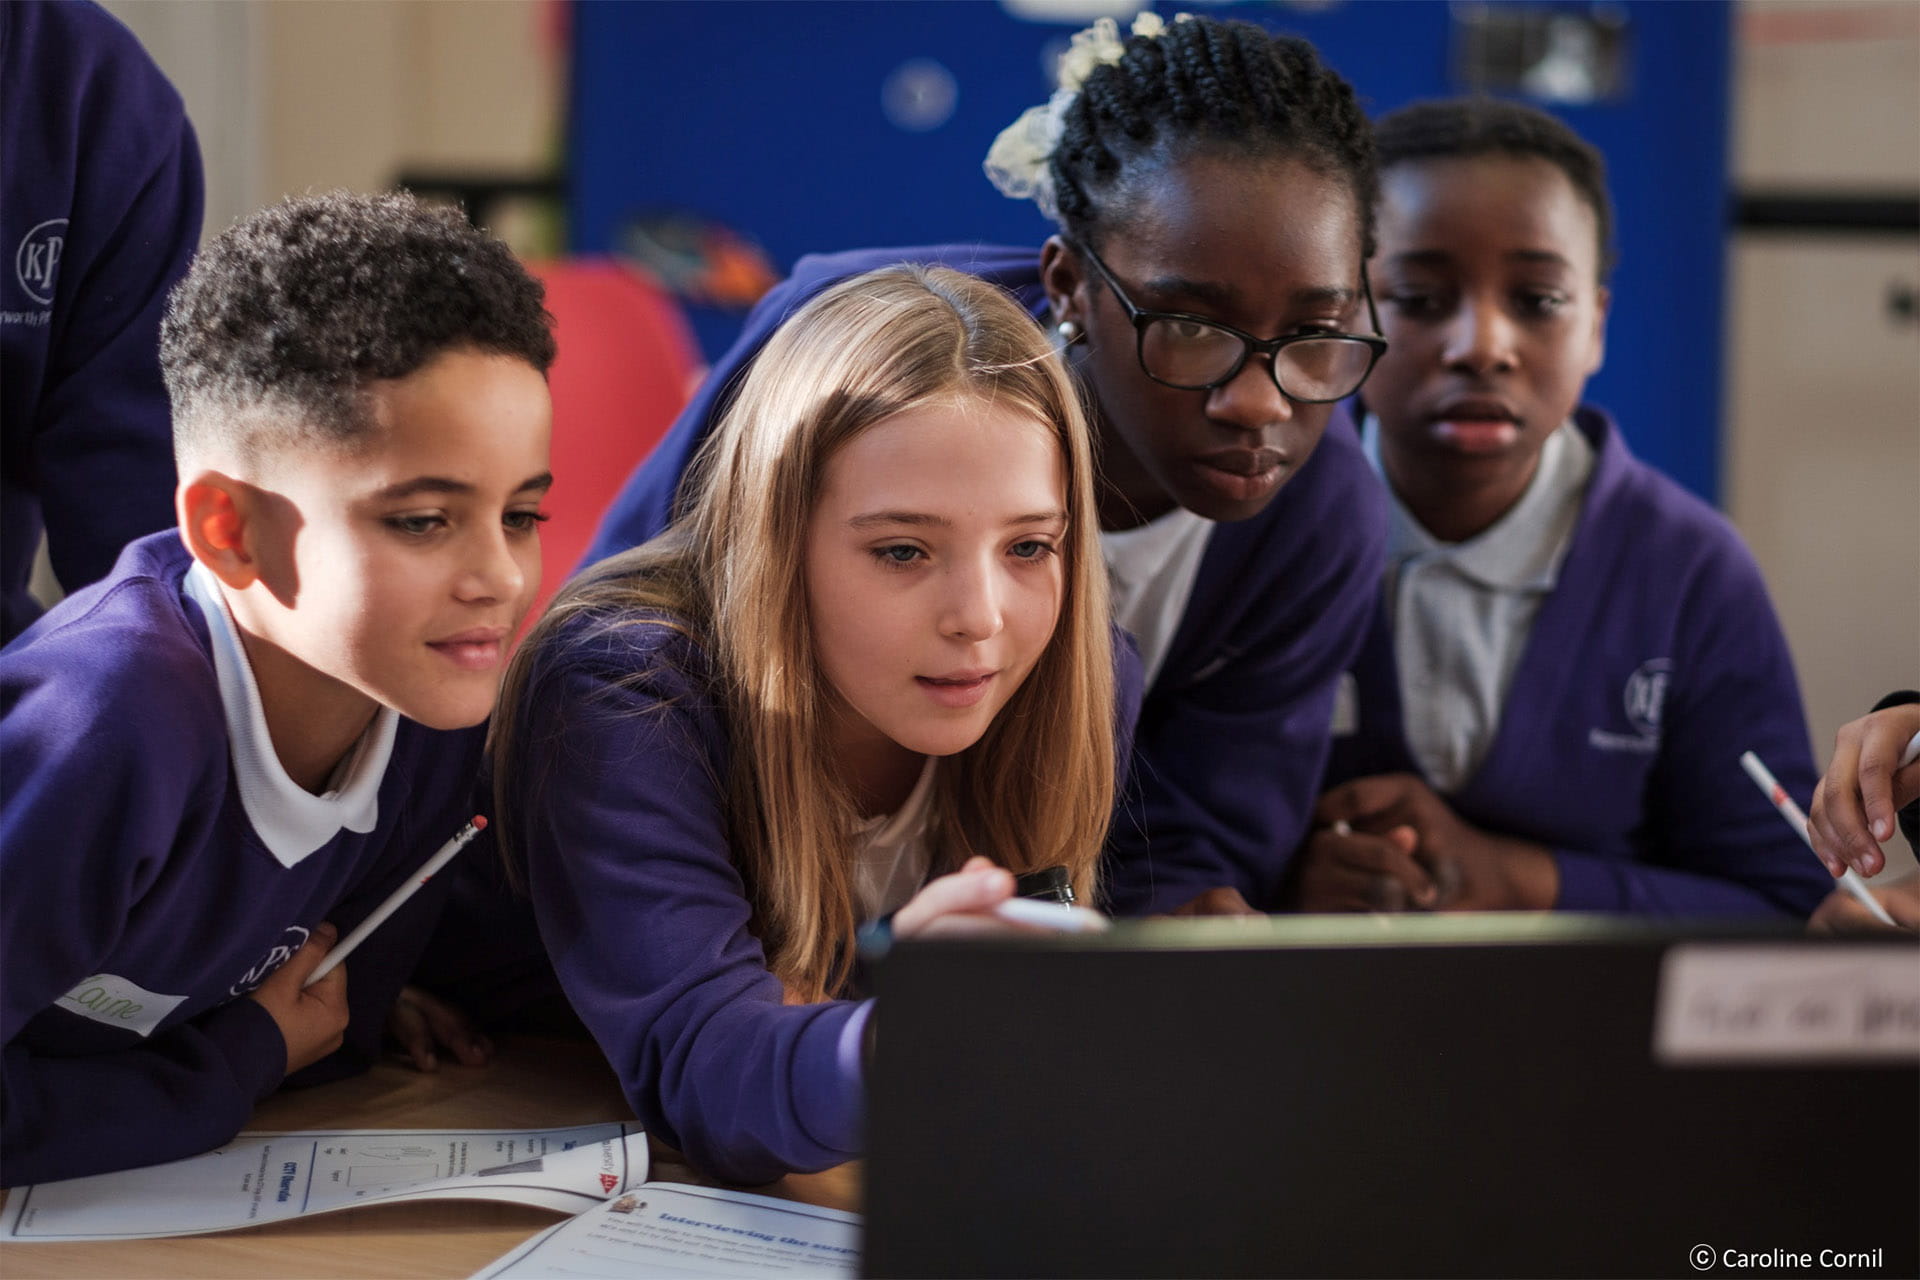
1518 1096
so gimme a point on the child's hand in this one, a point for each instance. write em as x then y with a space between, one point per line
1841 913
420 1020
960 905
1455 866
312 1020
1346 870
1223 901
1854 806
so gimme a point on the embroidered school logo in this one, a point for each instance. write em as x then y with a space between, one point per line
608 1182
1646 695
1644 699
36 263
118 1002
277 955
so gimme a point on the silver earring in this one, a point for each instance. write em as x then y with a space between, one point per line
1069 332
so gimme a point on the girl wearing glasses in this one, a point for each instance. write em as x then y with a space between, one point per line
1571 652
1213 188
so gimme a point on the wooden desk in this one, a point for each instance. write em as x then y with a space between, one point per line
533 1083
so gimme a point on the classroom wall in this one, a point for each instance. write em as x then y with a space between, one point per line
347 93
1822 441
716 135
1821 449
293 96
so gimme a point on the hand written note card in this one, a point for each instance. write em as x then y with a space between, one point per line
1759 1005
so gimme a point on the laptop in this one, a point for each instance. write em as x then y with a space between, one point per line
1516 1095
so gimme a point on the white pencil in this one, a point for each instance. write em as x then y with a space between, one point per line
441 858
1850 880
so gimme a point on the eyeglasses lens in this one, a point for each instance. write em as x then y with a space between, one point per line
1322 368
1188 354
1184 353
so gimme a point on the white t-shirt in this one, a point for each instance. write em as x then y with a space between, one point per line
891 854
1150 571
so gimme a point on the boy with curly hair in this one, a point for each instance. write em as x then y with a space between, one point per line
226 753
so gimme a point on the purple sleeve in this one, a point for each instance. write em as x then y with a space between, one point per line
1721 847
103 443
87 817
187 1091
97 451
646 918
1232 740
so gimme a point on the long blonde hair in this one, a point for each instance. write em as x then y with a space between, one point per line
1037 789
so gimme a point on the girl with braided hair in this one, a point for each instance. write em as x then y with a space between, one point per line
1213 188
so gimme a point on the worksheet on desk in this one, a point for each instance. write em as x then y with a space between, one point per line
669 1228
270 1177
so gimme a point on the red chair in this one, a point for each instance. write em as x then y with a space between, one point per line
627 365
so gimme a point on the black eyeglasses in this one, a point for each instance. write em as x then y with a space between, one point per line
1194 353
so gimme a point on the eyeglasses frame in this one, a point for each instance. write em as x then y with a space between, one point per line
1140 318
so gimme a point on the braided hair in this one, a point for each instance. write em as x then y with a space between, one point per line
1207 83
1468 127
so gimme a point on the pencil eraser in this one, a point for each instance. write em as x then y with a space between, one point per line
479 822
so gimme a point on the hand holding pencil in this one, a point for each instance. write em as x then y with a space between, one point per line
307 996
1850 880
378 916
1872 775
311 1014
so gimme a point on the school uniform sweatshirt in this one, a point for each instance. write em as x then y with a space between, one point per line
1232 737
1653 663
620 819
100 207
138 902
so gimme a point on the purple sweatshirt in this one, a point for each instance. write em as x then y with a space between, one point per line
1232 737
1655 661
100 204
622 825
137 903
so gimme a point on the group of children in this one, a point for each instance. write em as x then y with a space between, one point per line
917 595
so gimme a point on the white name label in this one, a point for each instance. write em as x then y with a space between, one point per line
1761 1005
118 1002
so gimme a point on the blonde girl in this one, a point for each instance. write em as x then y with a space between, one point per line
870 672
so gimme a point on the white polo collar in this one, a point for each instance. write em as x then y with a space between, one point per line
290 820
1523 549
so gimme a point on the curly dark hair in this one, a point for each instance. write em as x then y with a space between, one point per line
1466 127
283 319
1204 82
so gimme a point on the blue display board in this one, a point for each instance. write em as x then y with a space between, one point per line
823 124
